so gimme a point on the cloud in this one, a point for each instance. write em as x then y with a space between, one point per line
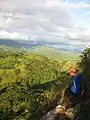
53 21
14 35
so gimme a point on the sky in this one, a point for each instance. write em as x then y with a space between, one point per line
59 23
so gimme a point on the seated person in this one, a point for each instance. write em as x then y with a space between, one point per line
77 87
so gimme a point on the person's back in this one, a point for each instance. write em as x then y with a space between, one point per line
77 81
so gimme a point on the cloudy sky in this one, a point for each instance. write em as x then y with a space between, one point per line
61 23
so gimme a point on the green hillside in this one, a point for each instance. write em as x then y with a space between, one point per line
28 84
31 79
20 66
55 54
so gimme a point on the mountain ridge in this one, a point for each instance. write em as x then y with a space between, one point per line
31 43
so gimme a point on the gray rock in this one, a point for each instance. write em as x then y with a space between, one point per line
49 116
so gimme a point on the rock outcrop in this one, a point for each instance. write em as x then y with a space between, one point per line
67 107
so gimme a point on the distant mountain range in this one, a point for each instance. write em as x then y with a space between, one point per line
35 48
19 44
29 44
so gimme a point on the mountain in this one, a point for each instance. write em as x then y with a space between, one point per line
28 84
55 54
18 43
31 43
36 48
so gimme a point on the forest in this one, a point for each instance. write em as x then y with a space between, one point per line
29 82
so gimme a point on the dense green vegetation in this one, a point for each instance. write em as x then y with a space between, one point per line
28 84
84 67
85 64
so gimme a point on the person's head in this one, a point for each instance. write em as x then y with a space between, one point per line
72 72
